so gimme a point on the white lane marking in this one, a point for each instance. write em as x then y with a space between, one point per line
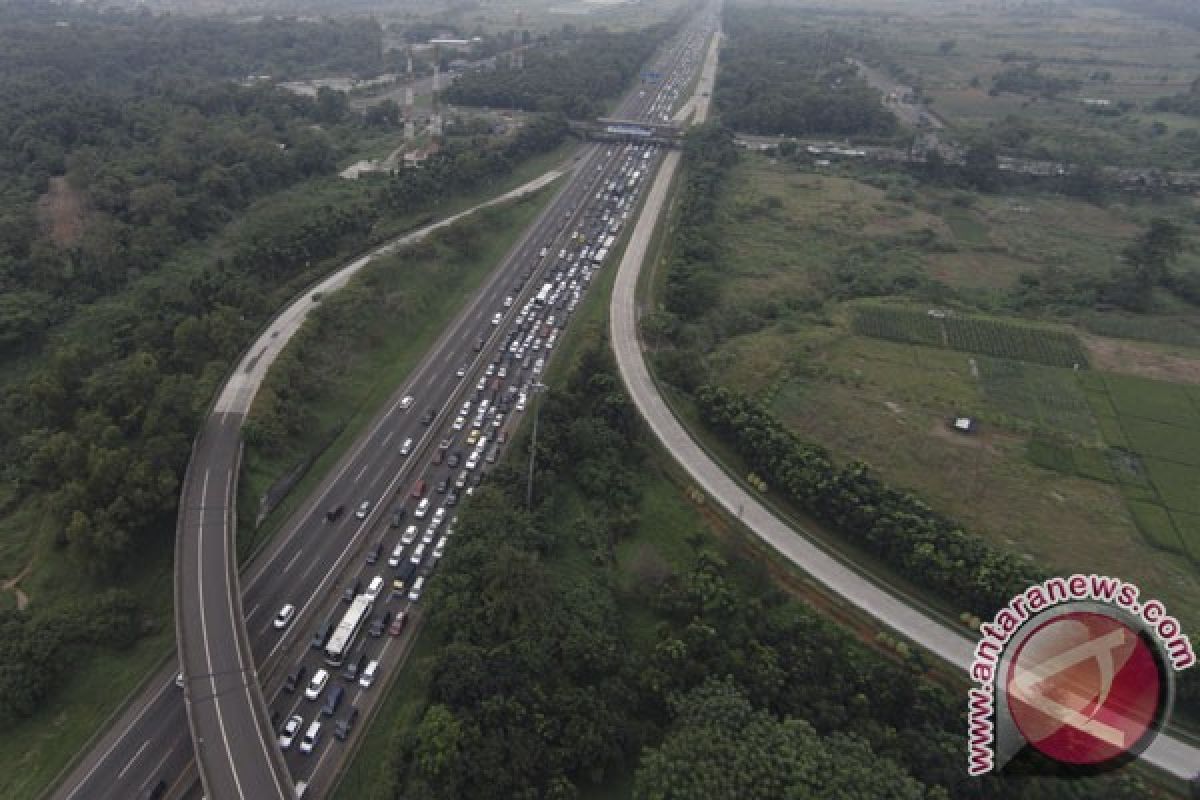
252 611
388 438
121 774
362 472
293 560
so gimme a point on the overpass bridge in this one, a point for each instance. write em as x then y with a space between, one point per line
609 129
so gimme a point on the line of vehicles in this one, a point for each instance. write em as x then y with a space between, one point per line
521 333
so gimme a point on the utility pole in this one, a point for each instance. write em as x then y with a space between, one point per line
537 412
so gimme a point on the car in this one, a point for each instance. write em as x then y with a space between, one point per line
398 516
479 387
443 485
374 587
321 634
451 499
406 446
379 625
414 594
311 737
301 789
472 437
335 512
461 372
179 679
396 556
502 372
295 678
364 508
368 675
455 459
317 684
290 729
508 301
473 460
332 701
422 508
478 344
427 538
418 489
459 423
352 590
428 416
439 516
374 553
406 402
439 549
497 318
352 668
342 729
410 535
417 554
399 621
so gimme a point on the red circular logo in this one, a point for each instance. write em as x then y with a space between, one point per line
1085 688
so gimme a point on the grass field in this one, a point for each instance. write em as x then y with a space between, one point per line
1055 474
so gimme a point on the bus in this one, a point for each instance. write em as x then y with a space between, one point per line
544 293
347 630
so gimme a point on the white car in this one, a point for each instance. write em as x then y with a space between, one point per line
461 371
422 508
290 729
438 517
364 508
427 538
406 402
406 446
311 737
317 684
410 535
284 617
496 318
417 554
414 594
459 422
508 301
368 675
439 549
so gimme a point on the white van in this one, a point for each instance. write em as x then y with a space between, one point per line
375 587
397 554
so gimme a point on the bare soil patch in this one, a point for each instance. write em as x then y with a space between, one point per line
1115 355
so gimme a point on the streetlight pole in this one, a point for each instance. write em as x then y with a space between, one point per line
537 412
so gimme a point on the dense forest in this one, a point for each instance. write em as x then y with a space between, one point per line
118 332
554 671
574 75
779 77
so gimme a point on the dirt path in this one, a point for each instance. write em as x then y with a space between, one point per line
10 585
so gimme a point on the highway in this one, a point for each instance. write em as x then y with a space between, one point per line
1167 752
311 558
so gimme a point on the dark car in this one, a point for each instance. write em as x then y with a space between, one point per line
352 591
332 700
398 623
451 500
335 512
379 625
343 727
455 459
295 678
404 574
443 485
351 670
374 553
478 344
398 517
321 635
428 416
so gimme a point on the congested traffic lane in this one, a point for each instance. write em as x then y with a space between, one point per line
467 440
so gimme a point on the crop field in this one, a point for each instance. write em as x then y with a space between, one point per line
971 334
1047 398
